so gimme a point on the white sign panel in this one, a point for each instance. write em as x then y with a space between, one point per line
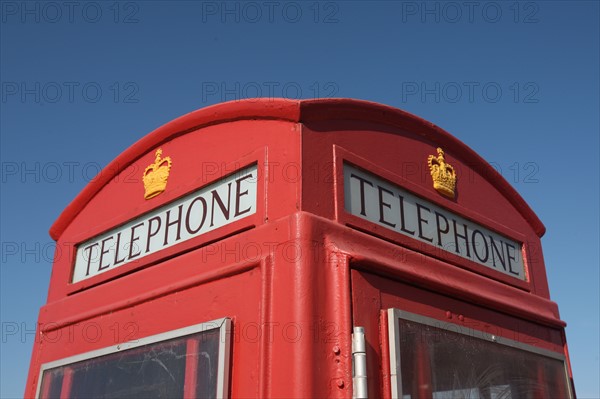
209 208
388 205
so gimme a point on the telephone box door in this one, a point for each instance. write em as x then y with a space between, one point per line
421 344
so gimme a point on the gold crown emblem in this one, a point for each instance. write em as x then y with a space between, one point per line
444 177
156 175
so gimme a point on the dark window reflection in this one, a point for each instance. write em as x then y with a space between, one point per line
177 368
52 383
441 364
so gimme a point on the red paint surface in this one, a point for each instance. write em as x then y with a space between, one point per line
191 368
296 276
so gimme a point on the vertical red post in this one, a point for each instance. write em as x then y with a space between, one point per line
47 380
423 370
191 368
539 391
65 392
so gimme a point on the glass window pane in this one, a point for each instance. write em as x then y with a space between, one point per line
52 383
185 366
444 364
206 386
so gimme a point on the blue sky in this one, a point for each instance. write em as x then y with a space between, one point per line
516 81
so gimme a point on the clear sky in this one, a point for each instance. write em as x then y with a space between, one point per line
516 81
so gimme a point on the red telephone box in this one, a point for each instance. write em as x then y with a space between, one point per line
317 248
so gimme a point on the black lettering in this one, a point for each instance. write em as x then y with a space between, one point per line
224 209
420 219
362 192
89 256
117 245
189 212
495 249
402 223
485 246
176 222
102 252
239 194
133 240
382 204
150 232
463 236
439 230
508 255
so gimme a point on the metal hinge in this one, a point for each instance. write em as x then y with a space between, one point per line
359 364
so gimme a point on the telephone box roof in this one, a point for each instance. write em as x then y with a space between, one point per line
299 111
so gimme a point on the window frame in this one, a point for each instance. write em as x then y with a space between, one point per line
394 315
224 357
